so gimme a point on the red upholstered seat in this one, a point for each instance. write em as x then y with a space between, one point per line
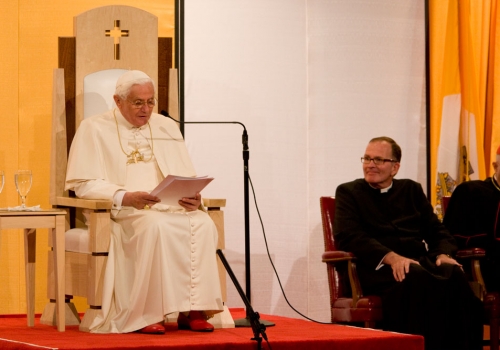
347 302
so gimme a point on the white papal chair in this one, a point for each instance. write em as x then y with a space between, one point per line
107 41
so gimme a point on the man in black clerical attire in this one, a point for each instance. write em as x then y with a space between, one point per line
405 254
473 215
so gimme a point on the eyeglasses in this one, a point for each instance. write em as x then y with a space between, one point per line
377 160
138 104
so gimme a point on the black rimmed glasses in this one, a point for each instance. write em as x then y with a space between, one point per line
376 160
138 104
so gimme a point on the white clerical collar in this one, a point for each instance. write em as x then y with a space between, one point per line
383 190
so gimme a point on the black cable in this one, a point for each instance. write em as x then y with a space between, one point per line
272 264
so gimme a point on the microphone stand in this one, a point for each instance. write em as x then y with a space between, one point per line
245 322
257 327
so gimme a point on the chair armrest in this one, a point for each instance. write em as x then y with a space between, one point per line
94 204
471 253
214 203
336 256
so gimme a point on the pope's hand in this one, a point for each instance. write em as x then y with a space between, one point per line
191 204
139 200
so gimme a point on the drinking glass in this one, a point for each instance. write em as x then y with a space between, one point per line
2 180
23 181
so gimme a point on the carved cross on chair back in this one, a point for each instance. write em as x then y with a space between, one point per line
117 33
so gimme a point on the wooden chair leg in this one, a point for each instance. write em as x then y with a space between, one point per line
48 317
494 333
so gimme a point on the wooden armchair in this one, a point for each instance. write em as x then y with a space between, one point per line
92 56
472 256
347 302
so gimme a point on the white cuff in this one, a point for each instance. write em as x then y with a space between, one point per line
380 264
118 199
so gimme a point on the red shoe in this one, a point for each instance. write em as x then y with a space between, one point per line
155 328
196 321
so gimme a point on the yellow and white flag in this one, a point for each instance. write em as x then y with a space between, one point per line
459 70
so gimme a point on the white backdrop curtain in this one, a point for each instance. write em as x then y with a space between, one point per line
312 81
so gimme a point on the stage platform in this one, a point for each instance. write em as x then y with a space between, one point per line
288 333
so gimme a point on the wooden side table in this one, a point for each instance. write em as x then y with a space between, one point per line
30 221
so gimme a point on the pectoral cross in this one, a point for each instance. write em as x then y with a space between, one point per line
116 33
135 157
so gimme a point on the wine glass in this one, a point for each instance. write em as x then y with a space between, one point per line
2 180
23 181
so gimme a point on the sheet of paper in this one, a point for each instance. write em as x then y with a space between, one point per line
173 188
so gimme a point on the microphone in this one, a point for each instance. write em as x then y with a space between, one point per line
244 136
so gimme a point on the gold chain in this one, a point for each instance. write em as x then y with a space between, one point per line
134 156
495 182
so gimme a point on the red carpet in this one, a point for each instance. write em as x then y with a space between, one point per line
289 334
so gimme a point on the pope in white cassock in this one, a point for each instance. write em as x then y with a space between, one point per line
161 259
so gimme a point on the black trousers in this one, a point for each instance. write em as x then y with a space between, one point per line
433 301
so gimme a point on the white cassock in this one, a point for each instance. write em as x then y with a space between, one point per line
160 260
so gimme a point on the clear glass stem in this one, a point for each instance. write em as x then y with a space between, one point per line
23 201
